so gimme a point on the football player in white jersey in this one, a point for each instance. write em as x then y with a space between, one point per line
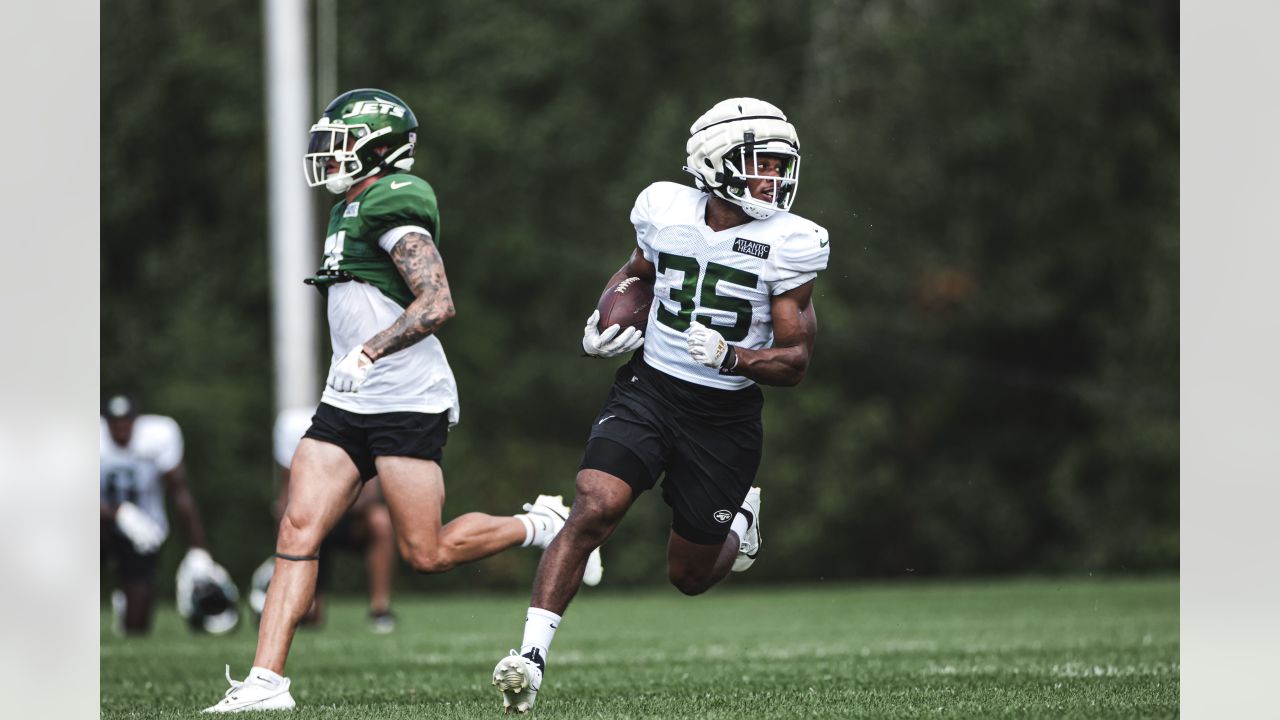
733 273
140 465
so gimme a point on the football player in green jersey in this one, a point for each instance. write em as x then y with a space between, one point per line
390 398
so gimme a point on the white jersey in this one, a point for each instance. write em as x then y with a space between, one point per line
415 379
726 280
291 425
133 473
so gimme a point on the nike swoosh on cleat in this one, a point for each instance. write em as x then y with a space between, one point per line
397 186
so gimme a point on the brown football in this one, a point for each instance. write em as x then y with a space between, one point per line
626 304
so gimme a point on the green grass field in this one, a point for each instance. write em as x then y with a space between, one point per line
1011 649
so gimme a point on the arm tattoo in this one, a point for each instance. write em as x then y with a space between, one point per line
419 263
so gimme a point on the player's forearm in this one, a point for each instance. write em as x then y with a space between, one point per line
423 317
419 263
784 366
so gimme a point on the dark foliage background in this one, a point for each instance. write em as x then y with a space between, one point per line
995 384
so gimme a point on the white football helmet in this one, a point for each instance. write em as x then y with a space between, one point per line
207 598
724 145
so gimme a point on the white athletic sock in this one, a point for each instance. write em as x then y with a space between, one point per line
530 531
269 677
740 525
539 627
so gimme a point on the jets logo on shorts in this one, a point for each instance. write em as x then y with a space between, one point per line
722 516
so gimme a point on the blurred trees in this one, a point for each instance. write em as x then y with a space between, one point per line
994 387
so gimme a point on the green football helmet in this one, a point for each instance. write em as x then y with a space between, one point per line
360 134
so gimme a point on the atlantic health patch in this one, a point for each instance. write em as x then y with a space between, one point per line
751 247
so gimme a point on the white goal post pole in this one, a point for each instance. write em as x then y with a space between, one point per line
294 250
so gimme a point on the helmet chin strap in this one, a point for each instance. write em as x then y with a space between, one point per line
338 186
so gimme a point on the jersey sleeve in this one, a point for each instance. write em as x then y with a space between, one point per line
641 215
400 201
801 257
160 438
652 203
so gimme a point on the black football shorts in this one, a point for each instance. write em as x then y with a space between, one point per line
706 440
392 434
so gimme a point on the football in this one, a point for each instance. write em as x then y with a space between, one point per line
626 304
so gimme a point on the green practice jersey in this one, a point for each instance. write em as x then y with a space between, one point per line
351 250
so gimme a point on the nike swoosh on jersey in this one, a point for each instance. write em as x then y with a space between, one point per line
821 243
606 418
396 186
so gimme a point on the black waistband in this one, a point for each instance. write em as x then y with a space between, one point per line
717 404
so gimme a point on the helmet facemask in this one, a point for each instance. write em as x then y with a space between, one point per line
726 144
740 167
329 146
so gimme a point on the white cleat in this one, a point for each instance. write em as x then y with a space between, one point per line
255 693
549 514
750 543
518 679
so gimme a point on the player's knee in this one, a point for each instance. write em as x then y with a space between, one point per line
687 582
427 561
298 538
589 529
593 519
379 523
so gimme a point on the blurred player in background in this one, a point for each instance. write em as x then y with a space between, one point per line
140 464
391 397
734 274
365 528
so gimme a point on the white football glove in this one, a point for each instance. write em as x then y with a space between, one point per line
706 346
610 342
145 533
349 373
